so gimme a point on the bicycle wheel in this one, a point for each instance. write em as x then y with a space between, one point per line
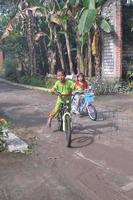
68 130
60 122
92 112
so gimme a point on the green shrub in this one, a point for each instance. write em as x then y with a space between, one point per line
49 82
3 134
130 84
10 69
39 81
129 74
102 87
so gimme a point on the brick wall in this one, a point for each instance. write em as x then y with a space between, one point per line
108 42
118 40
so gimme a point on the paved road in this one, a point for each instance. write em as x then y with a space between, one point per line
97 167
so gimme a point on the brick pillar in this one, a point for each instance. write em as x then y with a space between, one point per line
118 40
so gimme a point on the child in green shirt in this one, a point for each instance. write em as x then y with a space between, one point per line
64 87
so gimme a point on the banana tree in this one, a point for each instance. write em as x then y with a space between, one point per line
60 18
49 10
25 18
90 20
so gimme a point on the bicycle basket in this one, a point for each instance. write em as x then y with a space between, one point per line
89 97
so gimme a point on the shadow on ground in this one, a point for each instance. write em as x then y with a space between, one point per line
89 132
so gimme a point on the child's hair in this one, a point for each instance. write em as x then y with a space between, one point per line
62 71
82 75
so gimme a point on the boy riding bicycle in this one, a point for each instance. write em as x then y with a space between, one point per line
64 87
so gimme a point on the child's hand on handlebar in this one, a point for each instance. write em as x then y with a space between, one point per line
52 91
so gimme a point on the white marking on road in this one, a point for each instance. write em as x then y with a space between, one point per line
80 154
127 187
47 136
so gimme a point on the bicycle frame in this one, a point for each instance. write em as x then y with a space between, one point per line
64 112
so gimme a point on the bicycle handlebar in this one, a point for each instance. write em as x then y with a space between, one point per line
61 95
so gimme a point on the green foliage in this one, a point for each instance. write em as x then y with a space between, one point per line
36 80
102 87
128 69
74 2
16 44
86 21
105 25
129 75
74 15
85 3
3 134
92 4
90 18
49 82
3 23
100 2
130 84
10 69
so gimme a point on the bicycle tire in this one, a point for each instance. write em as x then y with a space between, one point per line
60 122
92 112
68 130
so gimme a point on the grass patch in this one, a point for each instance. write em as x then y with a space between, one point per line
45 82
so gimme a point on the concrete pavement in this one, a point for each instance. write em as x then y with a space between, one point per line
97 167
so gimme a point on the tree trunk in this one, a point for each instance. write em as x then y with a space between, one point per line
46 57
89 58
86 60
59 49
81 63
69 52
96 52
80 59
31 45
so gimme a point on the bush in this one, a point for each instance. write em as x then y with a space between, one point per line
36 80
10 69
49 82
129 75
102 87
3 135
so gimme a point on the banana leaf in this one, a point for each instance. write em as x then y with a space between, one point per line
86 20
105 26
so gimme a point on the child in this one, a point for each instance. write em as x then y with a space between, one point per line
65 88
80 85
